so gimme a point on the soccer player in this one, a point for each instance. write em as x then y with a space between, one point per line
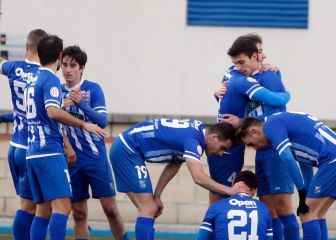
47 167
275 188
239 216
169 141
303 138
85 100
18 73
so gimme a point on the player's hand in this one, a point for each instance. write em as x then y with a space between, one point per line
221 91
269 67
75 96
70 155
67 103
303 207
160 206
230 118
233 190
94 128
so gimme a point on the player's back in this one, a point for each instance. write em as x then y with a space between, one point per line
239 217
311 140
273 82
82 141
44 133
18 74
162 139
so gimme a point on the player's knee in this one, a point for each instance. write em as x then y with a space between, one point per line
149 209
111 211
28 206
79 215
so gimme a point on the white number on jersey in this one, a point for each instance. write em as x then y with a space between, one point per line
242 222
19 89
175 123
30 103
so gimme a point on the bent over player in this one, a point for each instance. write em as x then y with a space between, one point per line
169 141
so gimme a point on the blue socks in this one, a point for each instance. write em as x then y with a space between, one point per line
57 226
324 229
291 227
21 225
38 229
311 230
277 229
125 237
144 228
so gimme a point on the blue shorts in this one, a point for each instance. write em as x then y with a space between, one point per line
18 167
223 169
323 183
49 178
129 169
272 173
93 172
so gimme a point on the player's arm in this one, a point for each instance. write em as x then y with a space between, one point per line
7 117
206 230
250 87
98 114
68 150
167 174
201 178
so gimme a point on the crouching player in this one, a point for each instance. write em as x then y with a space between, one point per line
169 141
238 217
301 137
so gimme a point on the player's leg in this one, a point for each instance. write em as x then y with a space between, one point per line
80 194
132 178
321 195
55 186
223 169
38 229
25 214
264 192
282 188
80 217
113 216
147 209
99 174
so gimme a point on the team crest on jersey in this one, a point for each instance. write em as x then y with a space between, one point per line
54 92
252 80
199 149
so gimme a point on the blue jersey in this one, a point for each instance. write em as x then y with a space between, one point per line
18 73
240 89
44 133
81 140
165 140
238 217
272 81
310 140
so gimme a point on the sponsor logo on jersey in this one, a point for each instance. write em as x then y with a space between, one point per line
245 203
252 80
26 76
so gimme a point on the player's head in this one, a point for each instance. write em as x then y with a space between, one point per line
251 133
73 64
33 39
247 182
257 39
244 55
49 50
219 138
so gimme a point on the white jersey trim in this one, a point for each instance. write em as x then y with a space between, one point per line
125 143
43 155
17 145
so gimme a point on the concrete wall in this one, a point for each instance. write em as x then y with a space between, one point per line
149 61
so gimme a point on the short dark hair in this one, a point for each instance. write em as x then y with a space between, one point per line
49 49
247 177
245 124
243 45
33 39
76 53
254 37
225 131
